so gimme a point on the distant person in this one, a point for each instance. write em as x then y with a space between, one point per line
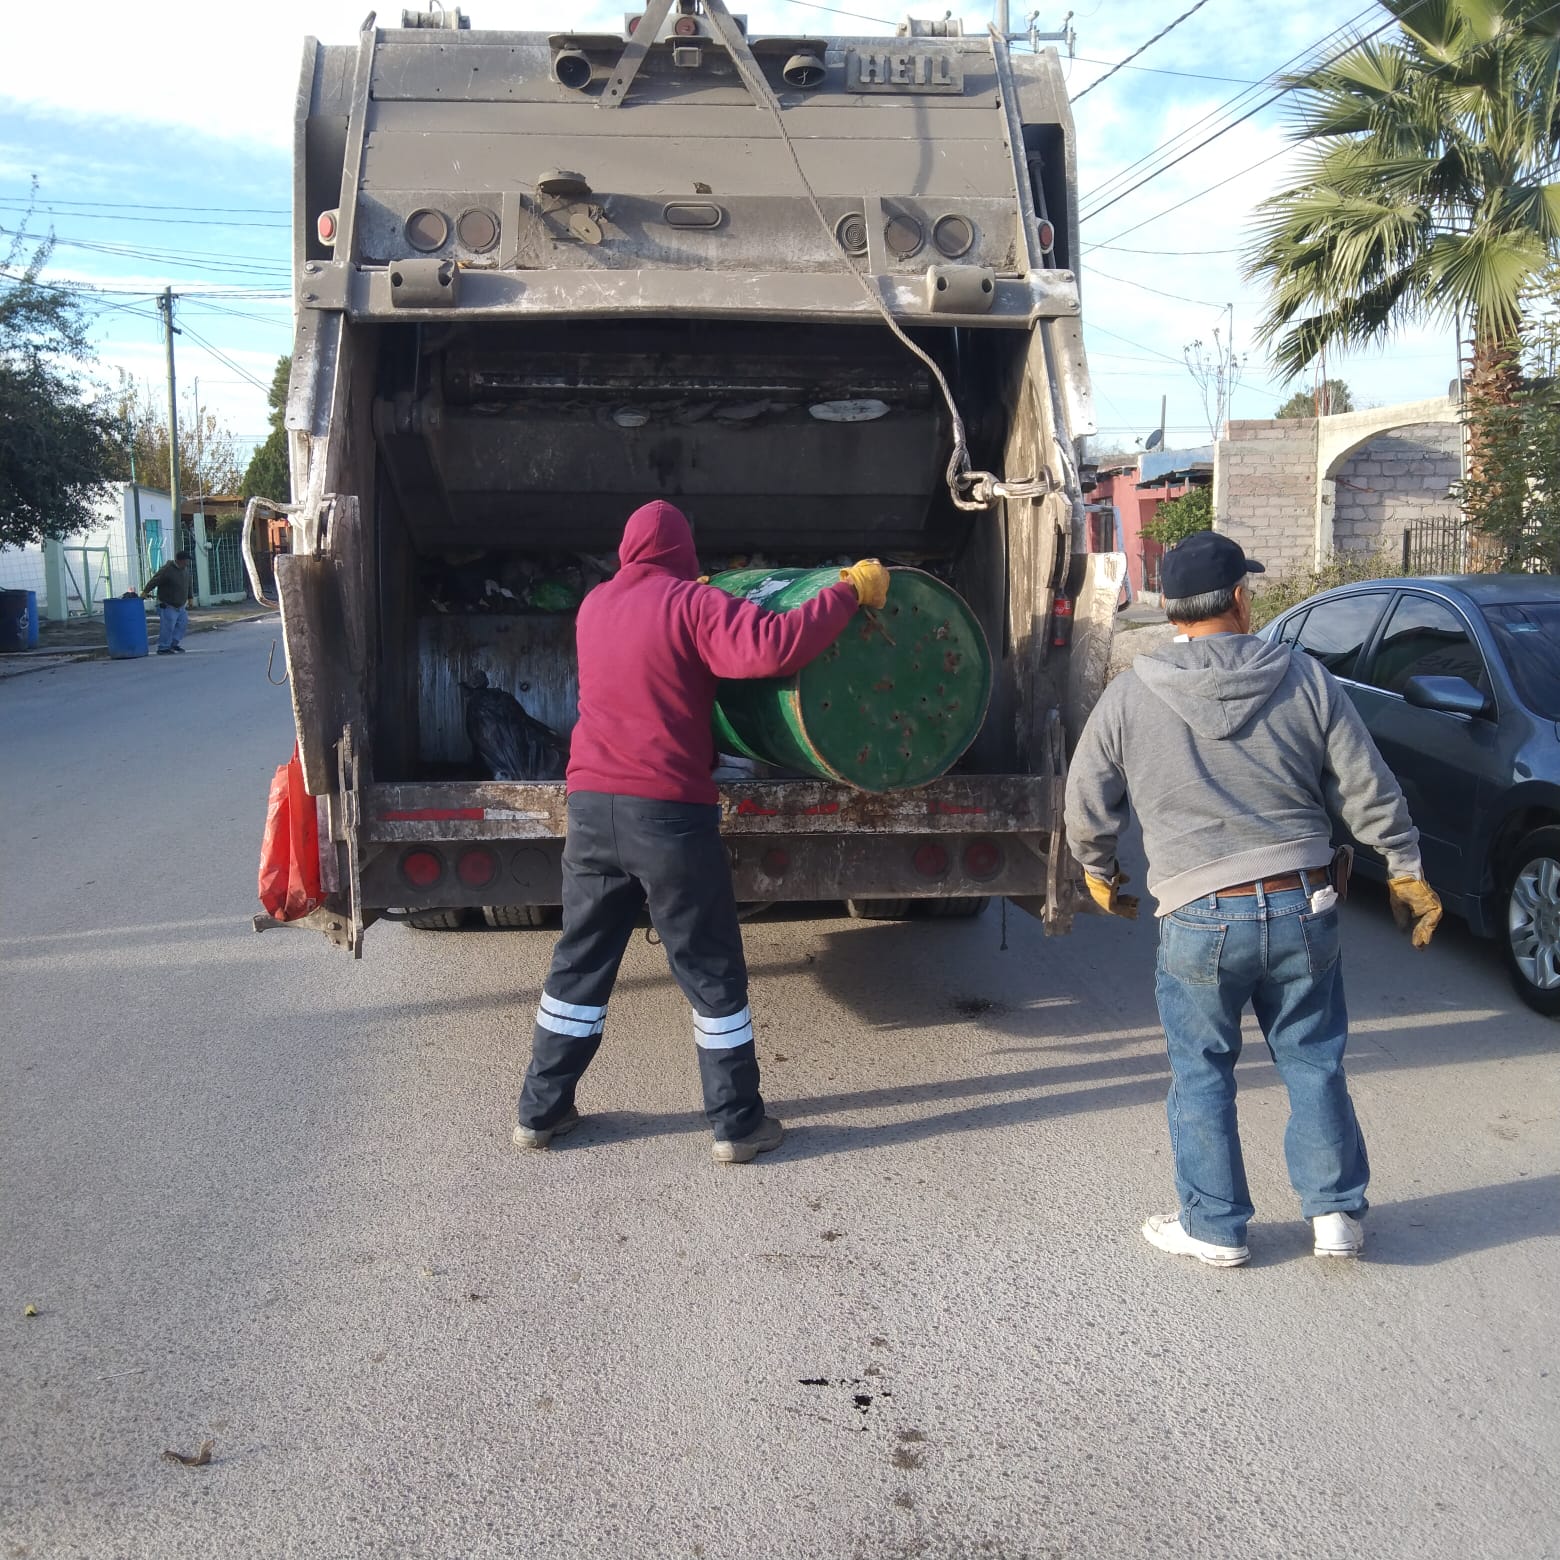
174 587
644 817
1239 757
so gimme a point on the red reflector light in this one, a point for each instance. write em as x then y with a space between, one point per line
633 25
325 226
1047 237
982 859
1061 622
931 859
421 868
477 867
776 861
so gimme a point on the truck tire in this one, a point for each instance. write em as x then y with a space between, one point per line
502 916
877 909
963 907
436 920
1530 913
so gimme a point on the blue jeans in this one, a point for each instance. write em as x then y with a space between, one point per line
1215 956
171 624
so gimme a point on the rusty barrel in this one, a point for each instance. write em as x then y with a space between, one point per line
891 705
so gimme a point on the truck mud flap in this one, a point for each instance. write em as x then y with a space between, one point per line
1063 877
323 604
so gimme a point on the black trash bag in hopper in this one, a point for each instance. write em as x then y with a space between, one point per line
510 744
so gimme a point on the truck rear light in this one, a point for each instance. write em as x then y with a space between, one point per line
931 859
427 230
326 225
982 860
1061 622
421 868
953 235
686 27
776 862
1047 237
477 867
477 229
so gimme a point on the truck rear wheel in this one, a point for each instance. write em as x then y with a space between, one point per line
436 920
509 916
877 909
961 908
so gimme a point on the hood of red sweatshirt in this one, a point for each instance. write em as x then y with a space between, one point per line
658 536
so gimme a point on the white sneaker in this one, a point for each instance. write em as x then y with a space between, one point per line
1166 1231
1338 1235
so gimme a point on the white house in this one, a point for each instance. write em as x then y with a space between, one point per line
72 576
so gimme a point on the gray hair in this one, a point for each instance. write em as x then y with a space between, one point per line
1198 609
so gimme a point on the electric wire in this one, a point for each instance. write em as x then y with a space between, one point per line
1141 49
1224 130
1172 144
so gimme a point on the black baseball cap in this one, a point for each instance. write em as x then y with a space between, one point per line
1204 562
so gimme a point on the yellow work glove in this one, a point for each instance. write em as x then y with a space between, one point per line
1103 891
869 579
1416 907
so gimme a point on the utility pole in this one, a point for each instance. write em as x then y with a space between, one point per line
1031 35
165 308
135 500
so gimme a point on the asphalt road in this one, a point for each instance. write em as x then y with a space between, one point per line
264 1196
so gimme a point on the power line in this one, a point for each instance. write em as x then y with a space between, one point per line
1188 200
118 217
222 357
1224 130
1160 70
1168 146
1210 303
1171 27
114 205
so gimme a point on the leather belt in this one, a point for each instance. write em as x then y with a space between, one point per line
1274 885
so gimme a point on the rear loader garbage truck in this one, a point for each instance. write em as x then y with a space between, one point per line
821 294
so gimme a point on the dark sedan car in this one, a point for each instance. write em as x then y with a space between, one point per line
1458 680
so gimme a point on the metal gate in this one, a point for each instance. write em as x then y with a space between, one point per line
1436 546
226 565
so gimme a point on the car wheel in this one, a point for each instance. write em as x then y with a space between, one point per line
963 907
436 920
1532 931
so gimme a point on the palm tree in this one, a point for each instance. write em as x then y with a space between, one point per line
1425 193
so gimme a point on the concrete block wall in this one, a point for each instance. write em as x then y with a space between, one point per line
1394 481
1265 489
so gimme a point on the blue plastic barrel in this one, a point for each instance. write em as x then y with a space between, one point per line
124 620
13 620
32 620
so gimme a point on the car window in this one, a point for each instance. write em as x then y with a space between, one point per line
1289 630
1335 631
1425 638
1528 634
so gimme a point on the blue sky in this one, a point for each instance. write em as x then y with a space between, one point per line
163 155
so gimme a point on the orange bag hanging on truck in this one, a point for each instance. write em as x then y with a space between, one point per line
290 850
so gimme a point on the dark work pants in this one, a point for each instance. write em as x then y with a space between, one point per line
621 853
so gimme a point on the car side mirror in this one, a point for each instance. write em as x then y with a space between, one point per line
1450 695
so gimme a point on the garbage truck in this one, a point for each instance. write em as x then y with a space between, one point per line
820 293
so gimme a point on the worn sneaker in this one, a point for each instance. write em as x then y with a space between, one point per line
741 1151
1338 1235
1166 1231
165 652
178 649
540 1137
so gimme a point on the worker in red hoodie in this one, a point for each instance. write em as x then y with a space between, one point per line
644 817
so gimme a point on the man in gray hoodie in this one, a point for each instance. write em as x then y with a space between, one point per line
1239 757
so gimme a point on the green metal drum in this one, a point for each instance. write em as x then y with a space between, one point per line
891 705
